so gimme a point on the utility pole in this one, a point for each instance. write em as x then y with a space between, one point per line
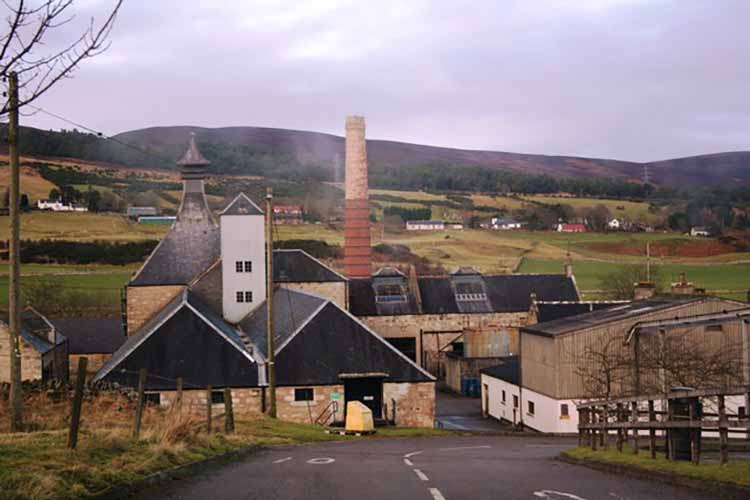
270 362
14 292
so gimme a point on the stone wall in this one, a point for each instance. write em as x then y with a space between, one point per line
95 362
145 301
245 402
336 291
409 325
31 360
300 411
415 403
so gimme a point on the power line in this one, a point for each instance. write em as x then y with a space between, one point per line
101 134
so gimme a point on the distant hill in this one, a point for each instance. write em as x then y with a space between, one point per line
293 153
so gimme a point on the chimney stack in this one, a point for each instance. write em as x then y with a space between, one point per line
357 251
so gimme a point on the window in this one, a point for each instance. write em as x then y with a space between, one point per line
248 266
531 407
503 398
240 297
152 398
248 297
217 397
238 266
303 394
564 411
515 401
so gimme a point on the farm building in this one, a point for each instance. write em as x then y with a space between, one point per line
423 316
559 359
44 350
197 310
425 225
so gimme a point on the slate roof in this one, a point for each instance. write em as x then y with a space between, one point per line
242 205
191 246
35 331
91 335
298 266
550 311
185 299
602 316
291 310
508 370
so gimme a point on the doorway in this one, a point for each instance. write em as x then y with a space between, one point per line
368 391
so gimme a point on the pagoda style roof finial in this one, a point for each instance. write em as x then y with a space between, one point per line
193 163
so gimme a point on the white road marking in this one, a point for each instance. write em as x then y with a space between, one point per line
281 460
421 475
553 495
408 455
408 462
321 461
465 448
436 494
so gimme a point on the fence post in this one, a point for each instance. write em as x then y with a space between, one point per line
75 414
208 409
651 431
634 419
178 398
619 429
594 421
723 434
228 411
142 373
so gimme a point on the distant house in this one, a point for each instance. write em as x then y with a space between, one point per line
160 220
287 214
58 206
571 228
699 231
616 224
425 225
136 212
504 224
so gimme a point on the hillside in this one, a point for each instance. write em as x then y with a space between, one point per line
288 153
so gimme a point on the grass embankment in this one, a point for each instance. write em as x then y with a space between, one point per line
736 472
38 465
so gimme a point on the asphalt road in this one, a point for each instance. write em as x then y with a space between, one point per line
479 467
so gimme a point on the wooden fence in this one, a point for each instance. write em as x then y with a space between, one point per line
680 416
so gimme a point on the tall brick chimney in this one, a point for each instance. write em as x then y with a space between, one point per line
357 251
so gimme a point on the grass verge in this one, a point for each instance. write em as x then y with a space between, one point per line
735 473
38 465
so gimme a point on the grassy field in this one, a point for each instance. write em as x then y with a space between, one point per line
82 226
38 465
735 472
729 280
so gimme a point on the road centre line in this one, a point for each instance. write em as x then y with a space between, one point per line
421 475
436 494
408 462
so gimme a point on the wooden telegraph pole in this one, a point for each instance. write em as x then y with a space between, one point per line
269 305
14 292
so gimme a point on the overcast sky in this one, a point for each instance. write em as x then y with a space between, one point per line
627 79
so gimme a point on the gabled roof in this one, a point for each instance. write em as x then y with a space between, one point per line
617 312
298 266
191 246
242 205
508 370
291 310
91 335
185 299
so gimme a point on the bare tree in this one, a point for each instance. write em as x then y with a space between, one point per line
23 48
